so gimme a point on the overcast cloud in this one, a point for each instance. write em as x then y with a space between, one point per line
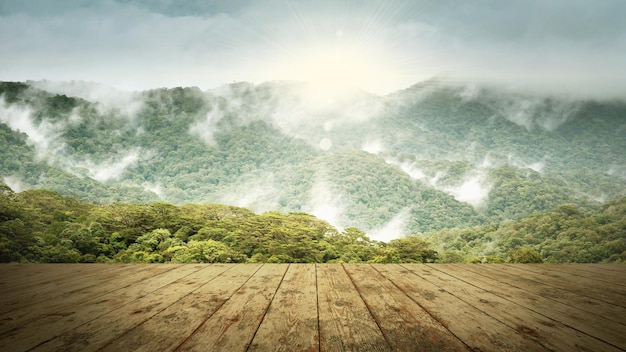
565 45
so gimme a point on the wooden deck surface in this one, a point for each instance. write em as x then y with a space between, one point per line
312 307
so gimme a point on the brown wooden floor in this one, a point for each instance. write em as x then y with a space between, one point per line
308 307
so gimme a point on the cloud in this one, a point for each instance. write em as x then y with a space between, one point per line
536 112
43 136
207 127
373 146
395 228
410 168
256 192
15 183
326 203
574 46
111 169
127 104
473 189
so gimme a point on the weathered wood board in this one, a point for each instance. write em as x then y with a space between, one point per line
312 307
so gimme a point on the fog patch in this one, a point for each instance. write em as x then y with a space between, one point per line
372 146
15 183
155 188
325 204
207 127
533 112
108 99
299 107
393 229
474 190
537 166
257 193
111 169
409 168
42 136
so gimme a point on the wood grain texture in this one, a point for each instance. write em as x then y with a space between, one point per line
170 328
312 307
233 326
476 328
345 322
407 326
291 322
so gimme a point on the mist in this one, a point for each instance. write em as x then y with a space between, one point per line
207 127
326 203
15 183
393 229
111 169
562 47
42 136
257 192
126 103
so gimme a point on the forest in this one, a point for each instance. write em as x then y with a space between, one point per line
453 172
44 226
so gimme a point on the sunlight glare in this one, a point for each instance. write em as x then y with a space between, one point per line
336 69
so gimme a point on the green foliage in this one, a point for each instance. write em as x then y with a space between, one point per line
42 226
525 255
258 146
565 234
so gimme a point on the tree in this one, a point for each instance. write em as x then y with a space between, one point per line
525 255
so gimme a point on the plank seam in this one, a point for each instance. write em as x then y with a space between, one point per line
369 309
114 309
216 309
558 288
38 300
164 308
317 304
534 311
538 272
421 306
268 308
550 298
476 307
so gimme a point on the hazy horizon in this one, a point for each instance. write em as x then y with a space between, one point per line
573 47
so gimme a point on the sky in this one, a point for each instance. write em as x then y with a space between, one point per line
573 46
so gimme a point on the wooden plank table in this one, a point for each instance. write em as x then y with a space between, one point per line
312 307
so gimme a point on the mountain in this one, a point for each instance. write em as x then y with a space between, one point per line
431 157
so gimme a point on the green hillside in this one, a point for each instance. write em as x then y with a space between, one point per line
435 158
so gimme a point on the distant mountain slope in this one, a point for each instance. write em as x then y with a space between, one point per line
430 157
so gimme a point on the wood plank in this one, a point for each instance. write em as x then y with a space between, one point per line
345 322
551 334
51 326
598 272
587 284
80 282
473 326
406 326
233 326
518 276
43 278
545 329
291 323
169 328
12 274
80 299
325 307
97 333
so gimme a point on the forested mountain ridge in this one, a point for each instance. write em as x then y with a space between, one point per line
44 226
432 157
